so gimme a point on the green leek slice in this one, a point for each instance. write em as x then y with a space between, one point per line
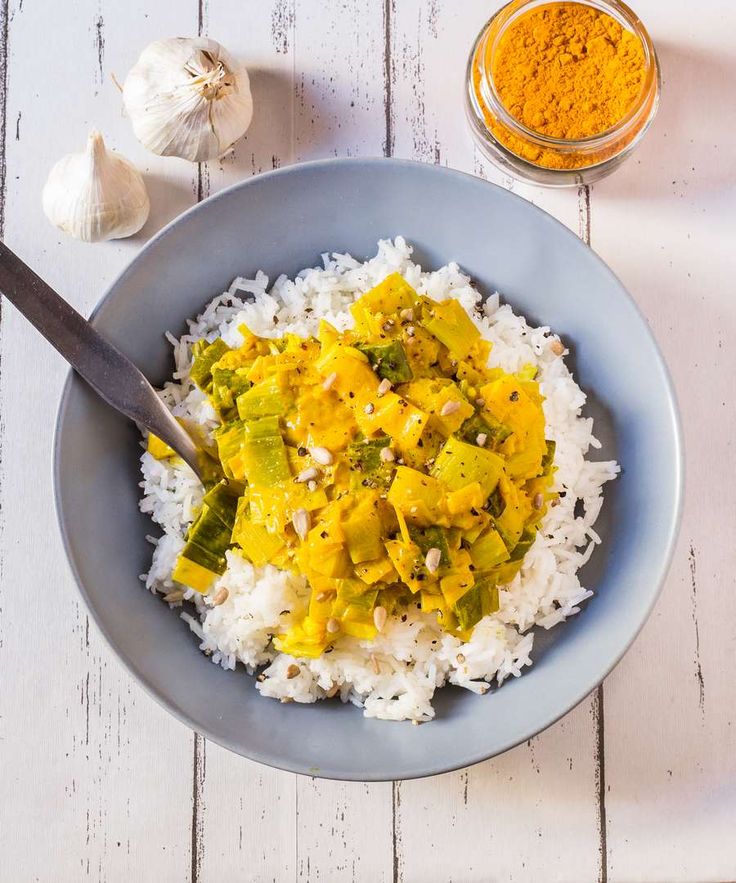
388 360
469 609
459 464
205 356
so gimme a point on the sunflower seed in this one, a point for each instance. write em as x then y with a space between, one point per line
307 474
432 561
449 408
387 455
379 618
481 439
220 597
321 456
369 408
383 387
407 315
301 521
333 625
538 501
329 381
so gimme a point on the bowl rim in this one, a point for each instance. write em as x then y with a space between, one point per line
431 767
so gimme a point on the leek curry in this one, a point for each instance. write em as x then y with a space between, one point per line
387 465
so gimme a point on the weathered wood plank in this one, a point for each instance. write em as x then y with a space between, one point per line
86 756
338 79
532 835
246 825
344 830
665 224
525 815
312 98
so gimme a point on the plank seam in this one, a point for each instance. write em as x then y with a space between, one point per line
200 745
694 602
197 825
396 875
4 23
388 149
600 751
388 146
598 707
297 870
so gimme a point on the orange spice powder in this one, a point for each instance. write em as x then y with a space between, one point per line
567 71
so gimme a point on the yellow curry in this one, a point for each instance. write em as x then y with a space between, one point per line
386 464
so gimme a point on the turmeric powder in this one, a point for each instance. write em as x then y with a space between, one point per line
564 70
568 70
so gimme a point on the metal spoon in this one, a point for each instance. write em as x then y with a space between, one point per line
110 374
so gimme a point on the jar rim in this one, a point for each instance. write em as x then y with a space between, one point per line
618 10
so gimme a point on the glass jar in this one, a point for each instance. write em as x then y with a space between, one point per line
537 158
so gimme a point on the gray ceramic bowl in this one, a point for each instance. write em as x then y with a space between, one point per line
281 222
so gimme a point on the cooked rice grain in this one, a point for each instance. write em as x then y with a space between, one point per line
395 676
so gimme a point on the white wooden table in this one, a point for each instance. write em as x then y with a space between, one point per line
639 782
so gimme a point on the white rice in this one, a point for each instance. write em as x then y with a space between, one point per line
395 676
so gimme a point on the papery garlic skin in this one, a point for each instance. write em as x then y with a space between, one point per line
96 195
188 97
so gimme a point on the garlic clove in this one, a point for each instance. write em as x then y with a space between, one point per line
96 195
188 97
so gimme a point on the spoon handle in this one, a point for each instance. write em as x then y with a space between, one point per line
112 376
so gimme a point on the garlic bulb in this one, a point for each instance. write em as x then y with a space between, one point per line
188 97
96 195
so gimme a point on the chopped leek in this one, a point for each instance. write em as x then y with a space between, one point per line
451 325
494 431
257 543
364 457
205 356
469 608
459 464
526 541
488 551
388 360
263 461
432 538
222 499
549 456
265 399
386 464
158 449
